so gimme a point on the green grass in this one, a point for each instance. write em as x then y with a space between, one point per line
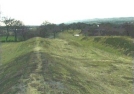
13 50
12 72
70 65
10 39
124 44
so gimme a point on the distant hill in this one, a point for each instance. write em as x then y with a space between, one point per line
116 20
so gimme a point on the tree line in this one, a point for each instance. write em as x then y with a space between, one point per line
22 32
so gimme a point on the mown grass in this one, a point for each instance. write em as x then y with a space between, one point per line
70 65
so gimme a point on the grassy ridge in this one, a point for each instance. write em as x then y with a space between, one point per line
15 63
12 72
13 50
87 70
113 44
70 65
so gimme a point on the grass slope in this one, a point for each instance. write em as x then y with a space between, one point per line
66 65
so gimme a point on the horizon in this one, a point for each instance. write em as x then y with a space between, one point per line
76 21
59 11
101 18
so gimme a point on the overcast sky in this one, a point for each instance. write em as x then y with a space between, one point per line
34 12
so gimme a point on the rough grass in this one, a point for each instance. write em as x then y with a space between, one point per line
124 44
14 50
70 65
12 72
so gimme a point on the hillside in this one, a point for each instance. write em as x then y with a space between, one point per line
66 65
116 20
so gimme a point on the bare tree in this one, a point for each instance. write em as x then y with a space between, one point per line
8 23
17 26
129 29
12 24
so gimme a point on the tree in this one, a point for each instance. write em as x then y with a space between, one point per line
55 29
46 23
46 29
62 26
8 23
12 24
43 31
17 26
127 28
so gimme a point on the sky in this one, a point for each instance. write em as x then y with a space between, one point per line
35 12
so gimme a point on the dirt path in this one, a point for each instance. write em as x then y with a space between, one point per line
35 84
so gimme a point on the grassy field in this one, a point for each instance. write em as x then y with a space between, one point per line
10 39
3 38
67 65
